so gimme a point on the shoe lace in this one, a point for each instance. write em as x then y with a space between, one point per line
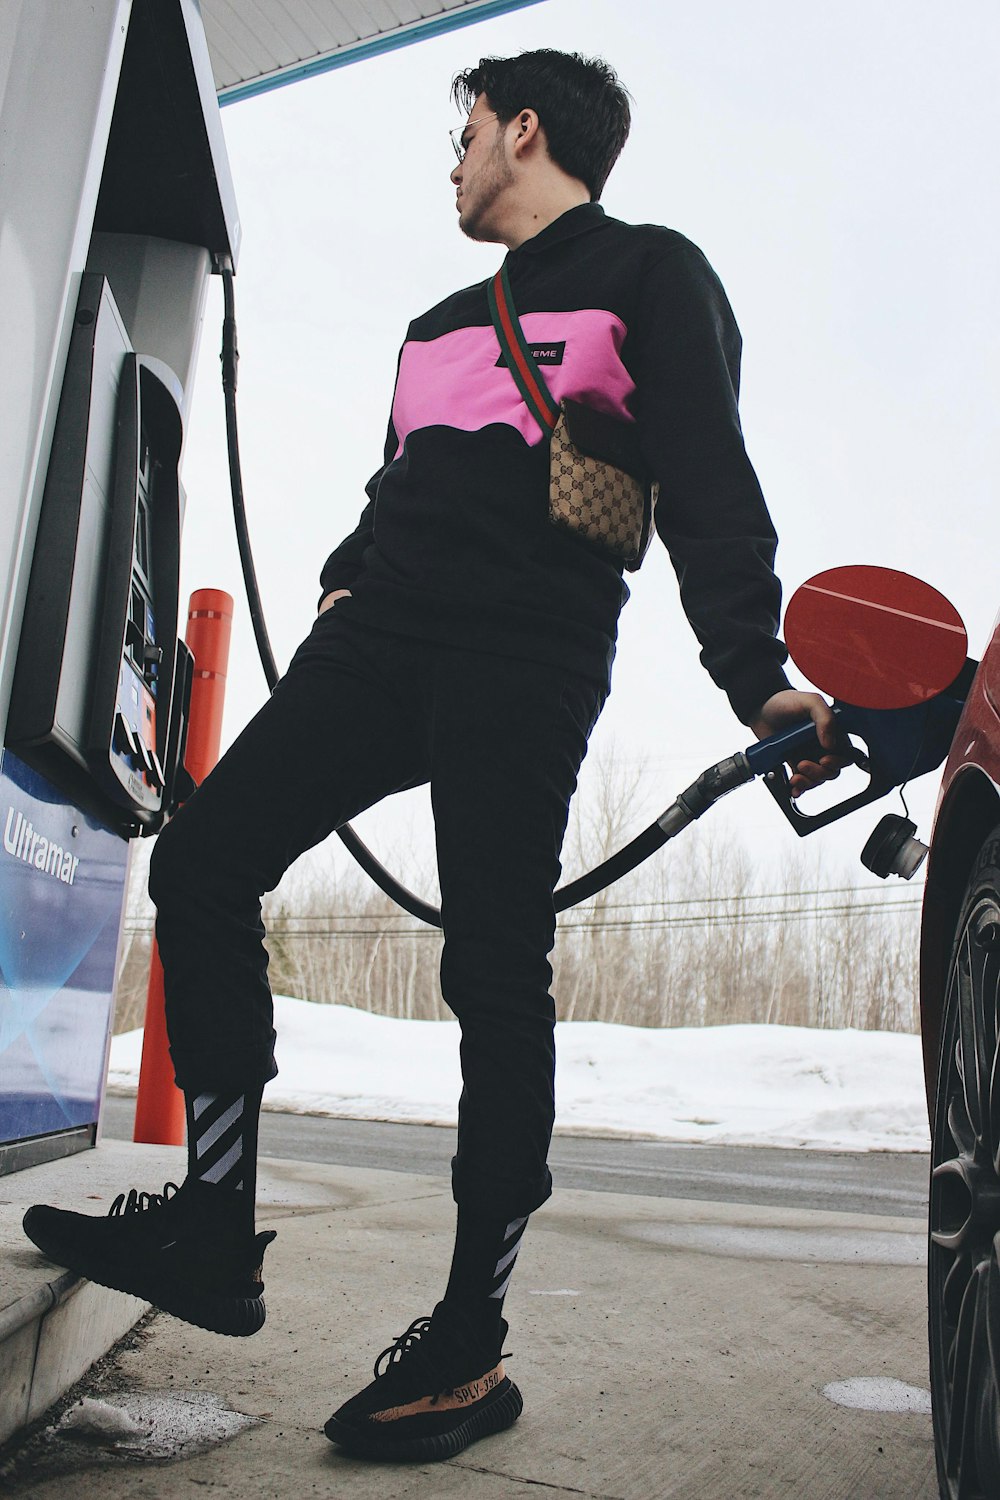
409 1344
137 1203
405 1344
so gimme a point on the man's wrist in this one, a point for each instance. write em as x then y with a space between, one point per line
329 600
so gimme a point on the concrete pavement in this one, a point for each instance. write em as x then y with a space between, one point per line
664 1348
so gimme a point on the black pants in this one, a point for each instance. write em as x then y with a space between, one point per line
362 713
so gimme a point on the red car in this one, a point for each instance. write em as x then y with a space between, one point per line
891 646
960 1013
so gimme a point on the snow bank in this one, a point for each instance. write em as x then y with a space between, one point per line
741 1085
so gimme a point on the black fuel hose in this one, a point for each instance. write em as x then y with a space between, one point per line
626 859
612 869
230 360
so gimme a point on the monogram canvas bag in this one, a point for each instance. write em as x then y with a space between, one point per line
597 488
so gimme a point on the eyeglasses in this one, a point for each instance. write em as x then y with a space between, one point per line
459 131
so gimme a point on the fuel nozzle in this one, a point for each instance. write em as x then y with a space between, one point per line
893 848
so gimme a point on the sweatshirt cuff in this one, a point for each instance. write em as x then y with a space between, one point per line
755 686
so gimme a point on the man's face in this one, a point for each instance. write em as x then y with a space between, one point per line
484 175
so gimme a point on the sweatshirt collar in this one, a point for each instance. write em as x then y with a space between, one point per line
573 222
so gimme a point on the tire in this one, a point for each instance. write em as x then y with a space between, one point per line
964 1240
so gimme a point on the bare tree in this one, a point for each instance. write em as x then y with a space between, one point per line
702 934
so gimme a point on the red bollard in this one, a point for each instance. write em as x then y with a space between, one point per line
210 626
159 1105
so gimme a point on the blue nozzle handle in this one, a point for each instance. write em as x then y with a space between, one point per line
801 743
768 759
778 781
899 744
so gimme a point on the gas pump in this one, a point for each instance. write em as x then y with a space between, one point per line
98 697
103 280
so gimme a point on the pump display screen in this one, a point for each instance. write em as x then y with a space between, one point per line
140 630
133 748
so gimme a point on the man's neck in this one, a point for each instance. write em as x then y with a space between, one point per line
530 218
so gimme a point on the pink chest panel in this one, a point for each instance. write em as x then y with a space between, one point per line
455 381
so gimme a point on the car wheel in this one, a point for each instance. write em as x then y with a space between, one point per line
964 1248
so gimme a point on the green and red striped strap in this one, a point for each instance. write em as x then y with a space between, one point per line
527 376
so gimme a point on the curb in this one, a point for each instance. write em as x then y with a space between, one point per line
50 1337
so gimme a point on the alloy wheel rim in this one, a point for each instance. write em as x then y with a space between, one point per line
964 1268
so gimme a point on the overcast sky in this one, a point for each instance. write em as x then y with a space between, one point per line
836 165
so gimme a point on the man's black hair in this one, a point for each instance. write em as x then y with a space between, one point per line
579 101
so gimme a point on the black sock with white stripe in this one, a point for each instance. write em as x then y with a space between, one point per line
485 1251
222 1146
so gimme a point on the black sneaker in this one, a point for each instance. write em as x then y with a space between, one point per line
168 1248
433 1394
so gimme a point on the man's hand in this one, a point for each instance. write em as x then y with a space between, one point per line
331 600
781 711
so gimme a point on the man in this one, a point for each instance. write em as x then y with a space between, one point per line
463 640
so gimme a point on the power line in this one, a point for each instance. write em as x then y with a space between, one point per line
823 890
888 901
279 930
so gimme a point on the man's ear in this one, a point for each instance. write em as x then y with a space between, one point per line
528 130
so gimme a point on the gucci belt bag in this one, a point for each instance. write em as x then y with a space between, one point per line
597 486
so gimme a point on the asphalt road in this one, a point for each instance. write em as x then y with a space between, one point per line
871 1182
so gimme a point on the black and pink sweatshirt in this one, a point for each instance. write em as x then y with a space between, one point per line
455 544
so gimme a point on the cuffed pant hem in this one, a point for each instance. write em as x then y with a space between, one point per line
498 1195
199 1072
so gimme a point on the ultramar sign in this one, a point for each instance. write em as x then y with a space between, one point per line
24 842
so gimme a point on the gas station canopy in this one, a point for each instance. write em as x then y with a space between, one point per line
256 45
